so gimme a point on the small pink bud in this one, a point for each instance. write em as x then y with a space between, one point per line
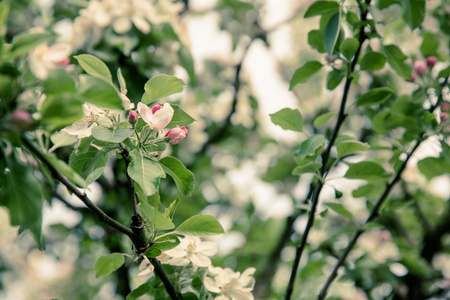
420 67
64 62
413 78
132 117
445 106
155 108
431 61
176 135
21 119
444 117
328 58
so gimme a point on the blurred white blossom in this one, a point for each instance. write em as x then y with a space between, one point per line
44 58
378 243
229 284
93 116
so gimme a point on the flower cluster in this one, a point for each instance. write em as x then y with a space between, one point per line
226 283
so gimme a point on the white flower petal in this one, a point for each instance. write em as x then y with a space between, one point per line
207 248
200 260
211 285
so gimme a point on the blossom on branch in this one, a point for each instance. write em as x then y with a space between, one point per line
190 250
229 284
158 117
93 116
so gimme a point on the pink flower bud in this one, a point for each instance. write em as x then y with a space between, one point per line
413 78
155 108
64 62
21 119
176 135
420 67
132 117
431 61
445 106
444 117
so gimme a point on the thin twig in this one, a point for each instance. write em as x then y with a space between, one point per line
325 156
81 195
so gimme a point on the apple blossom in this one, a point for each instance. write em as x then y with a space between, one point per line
44 58
93 116
191 250
445 106
444 117
157 118
132 117
21 119
177 134
431 61
229 284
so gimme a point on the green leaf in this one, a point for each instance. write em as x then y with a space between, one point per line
180 117
341 210
288 119
152 252
21 192
140 291
94 66
62 138
430 44
61 110
310 145
145 172
162 86
369 190
322 8
59 81
323 119
315 39
413 12
302 74
444 73
396 60
375 96
331 33
154 200
310 167
154 217
334 78
107 264
433 166
200 225
66 170
89 164
349 47
184 179
373 61
23 42
112 135
166 242
367 170
170 211
351 147
121 79
99 92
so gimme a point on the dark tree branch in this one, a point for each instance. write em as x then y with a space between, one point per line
325 156
167 284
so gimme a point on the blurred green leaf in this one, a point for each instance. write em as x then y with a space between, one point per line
396 59
59 81
153 216
89 164
369 190
140 291
200 225
433 166
288 119
107 264
413 12
311 167
430 44
166 242
367 170
61 110
184 179
152 252
339 209
97 91
334 78
94 66
315 39
349 47
180 117
25 41
310 145
319 8
331 33
374 96
302 74
373 61
351 147
323 119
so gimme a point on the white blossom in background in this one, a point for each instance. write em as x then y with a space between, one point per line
229 284
190 250
93 116
378 243
146 268
44 58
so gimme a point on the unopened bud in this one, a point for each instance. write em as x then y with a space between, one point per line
431 61
176 135
21 119
420 67
133 117
444 117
